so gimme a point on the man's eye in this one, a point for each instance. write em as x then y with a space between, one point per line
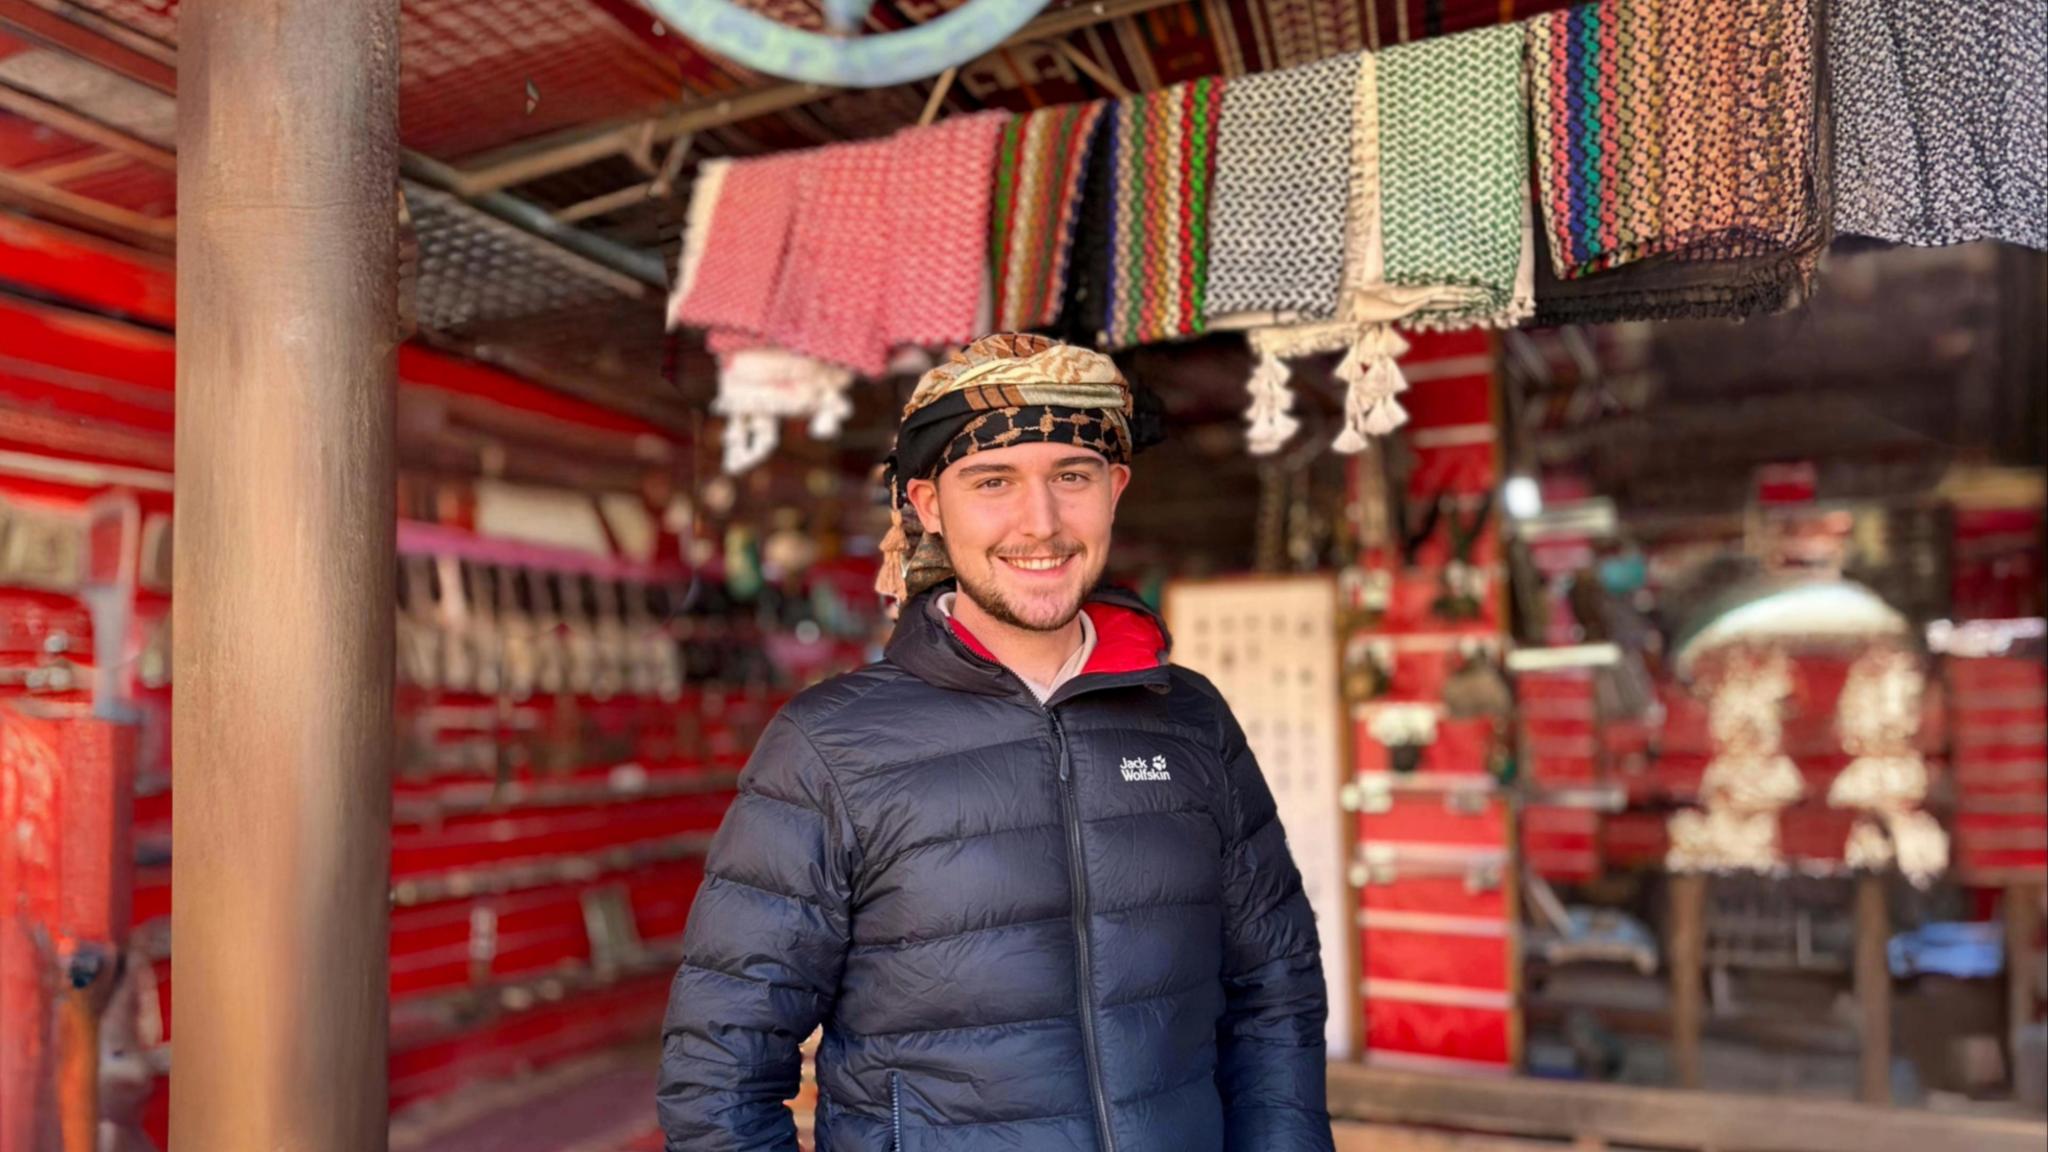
1074 477
991 485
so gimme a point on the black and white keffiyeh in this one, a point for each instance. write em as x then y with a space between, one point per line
1941 119
1283 178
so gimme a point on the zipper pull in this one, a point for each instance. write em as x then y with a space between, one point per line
1059 734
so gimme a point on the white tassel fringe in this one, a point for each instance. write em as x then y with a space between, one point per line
1270 419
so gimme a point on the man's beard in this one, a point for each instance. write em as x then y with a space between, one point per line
990 599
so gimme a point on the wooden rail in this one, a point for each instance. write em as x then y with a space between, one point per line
1596 1115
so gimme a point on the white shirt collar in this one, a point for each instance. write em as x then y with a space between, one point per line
943 605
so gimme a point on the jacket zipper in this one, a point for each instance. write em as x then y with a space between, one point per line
1077 883
895 1112
1077 879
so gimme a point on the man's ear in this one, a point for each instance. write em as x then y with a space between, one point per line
1119 479
924 500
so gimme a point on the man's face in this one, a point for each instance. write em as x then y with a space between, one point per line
1026 527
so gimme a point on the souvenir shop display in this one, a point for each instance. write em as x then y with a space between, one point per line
1432 868
1750 779
1609 161
1998 692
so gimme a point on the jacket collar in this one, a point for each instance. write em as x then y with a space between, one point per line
1131 648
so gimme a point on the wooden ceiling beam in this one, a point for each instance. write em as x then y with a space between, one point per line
575 147
69 208
51 114
90 36
62 172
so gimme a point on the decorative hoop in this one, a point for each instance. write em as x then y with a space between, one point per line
840 58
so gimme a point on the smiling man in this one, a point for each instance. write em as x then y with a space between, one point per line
1024 872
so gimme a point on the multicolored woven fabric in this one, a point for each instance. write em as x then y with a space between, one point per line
941 180
1085 307
1040 169
1283 180
1454 163
1674 127
1940 119
1163 146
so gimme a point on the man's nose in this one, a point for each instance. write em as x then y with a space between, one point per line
1041 512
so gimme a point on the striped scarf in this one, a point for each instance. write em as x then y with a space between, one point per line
1162 148
1040 166
1675 131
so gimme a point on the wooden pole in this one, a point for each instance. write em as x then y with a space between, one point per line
1688 897
286 384
2022 914
943 85
1874 988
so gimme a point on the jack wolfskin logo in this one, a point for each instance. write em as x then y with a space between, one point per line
1136 768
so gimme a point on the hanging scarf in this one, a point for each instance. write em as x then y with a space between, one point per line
1454 191
1041 168
704 196
1163 148
1453 180
941 181
1940 122
740 229
1677 157
829 301
1277 218
1085 305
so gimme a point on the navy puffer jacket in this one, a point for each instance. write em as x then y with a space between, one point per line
1033 928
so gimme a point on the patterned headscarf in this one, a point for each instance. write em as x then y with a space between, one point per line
1010 388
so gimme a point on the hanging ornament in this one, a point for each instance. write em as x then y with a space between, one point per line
1878 717
760 387
1749 780
839 57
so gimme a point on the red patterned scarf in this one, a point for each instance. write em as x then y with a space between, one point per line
941 180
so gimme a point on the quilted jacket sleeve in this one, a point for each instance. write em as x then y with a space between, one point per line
1270 1046
762 954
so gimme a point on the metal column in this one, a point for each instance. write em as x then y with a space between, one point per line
287 363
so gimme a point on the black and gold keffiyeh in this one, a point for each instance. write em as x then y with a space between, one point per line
1001 390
